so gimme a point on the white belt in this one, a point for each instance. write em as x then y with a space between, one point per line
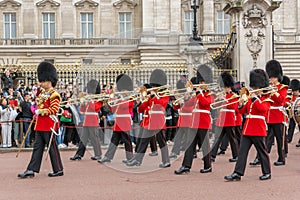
227 110
156 112
201 111
186 114
123 115
91 113
276 107
145 116
255 117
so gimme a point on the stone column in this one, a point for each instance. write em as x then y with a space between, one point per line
252 23
208 15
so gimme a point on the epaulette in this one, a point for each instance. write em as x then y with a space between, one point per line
283 86
54 95
268 100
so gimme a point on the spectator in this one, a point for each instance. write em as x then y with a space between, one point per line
7 80
27 116
6 126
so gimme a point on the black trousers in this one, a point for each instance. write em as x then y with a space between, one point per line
89 133
225 142
117 136
291 130
259 144
229 132
276 130
153 145
42 139
145 139
201 137
180 140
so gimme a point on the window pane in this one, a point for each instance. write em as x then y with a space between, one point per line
45 30
13 17
90 30
6 17
220 15
121 17
83 30
128 17
7 30
220 27
83 17
45 17
13 30
227 27
186 15
52 17
52 30
90 17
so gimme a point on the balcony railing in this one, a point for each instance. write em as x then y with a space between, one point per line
68 42
206 39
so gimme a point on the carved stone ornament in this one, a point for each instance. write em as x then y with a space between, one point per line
6 3
43 3
131 4
255 21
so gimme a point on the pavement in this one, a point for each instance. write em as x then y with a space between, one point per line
87 179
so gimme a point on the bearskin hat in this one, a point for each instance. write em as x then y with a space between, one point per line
124 82
295 85
259 78
180 85
285 80
194 80
47 72
148 86
226 80
93 87
158 78
204 74
273 68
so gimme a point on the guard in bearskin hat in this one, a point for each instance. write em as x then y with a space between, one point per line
276 114
200 122
122 125
90 108
254 131
46 123
294 87
142 107
225 122
157 106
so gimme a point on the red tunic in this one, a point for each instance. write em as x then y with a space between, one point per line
255 124
238 119
144 108
90 111
227 114
276 112
123 120
48 106
157 113
185 114
201 118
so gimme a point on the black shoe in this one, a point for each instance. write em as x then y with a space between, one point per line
212 159
233 159
173 155
265 177
76 157
255 162
165 165
154 153
54 174
133 163
182 170
298 145
278 163
96 158
233 177
206 170
221 152
26 174
104 160
125 161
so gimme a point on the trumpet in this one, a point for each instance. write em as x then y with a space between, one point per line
127 99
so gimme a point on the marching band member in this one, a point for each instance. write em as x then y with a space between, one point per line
46 123
294 86
123 121
144 109
254 129
201 123
184 121
157 105
90 110
226 120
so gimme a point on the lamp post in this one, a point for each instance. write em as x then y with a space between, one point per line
196 39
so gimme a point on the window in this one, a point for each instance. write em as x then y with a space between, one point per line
87 61
125 61
86 25
10 25
48 25
188 22
125 25
223 23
